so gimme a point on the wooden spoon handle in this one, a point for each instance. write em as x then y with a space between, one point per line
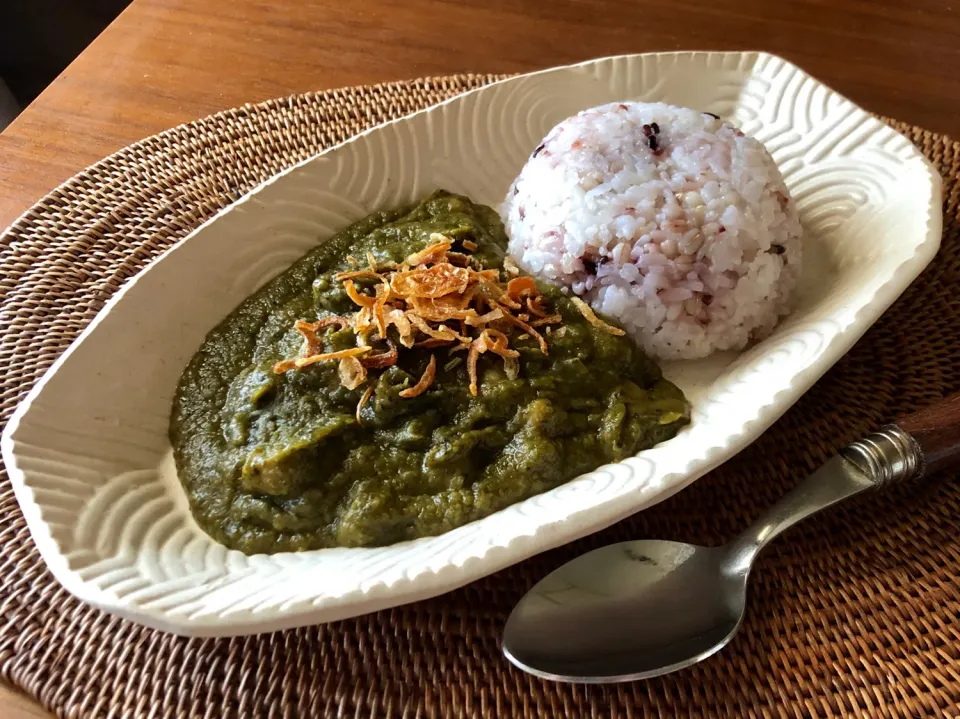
937 430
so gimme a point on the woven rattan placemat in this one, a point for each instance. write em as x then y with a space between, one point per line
855 612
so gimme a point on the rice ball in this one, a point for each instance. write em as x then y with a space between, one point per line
667 219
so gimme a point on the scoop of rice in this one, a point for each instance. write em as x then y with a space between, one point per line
664 218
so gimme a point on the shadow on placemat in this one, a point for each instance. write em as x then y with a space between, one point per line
855 612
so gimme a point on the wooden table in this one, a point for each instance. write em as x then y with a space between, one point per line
164 62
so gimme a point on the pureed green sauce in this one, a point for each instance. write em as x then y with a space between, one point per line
278 462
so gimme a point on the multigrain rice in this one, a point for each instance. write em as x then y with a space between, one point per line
667 219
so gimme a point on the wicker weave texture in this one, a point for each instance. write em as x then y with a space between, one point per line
853 613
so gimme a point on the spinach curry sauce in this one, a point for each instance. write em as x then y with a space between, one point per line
278 462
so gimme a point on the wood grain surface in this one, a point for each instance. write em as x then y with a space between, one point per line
163 62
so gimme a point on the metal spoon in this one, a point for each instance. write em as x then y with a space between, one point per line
640 609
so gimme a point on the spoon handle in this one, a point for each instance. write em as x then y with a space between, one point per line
921 443
937 430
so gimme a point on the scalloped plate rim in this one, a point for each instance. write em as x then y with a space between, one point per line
520 547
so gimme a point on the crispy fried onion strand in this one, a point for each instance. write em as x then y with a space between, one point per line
363 400
382 360
425 381
301 362
489 341
592 318
352 372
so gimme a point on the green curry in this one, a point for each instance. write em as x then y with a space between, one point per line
279 462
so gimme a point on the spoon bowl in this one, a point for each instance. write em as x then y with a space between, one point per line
628 611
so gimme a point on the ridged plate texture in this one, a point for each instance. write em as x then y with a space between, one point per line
88 450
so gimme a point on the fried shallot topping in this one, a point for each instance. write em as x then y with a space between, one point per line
592 318
436 299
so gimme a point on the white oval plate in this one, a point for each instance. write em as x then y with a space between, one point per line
88 452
